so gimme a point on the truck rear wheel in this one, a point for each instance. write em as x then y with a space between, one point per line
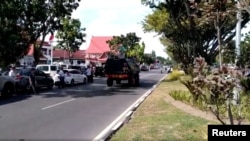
109 82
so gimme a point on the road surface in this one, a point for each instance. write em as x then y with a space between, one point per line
75 113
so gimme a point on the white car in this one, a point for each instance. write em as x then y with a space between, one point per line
72 76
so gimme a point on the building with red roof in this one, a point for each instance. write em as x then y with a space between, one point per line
98 48
64 56
28 59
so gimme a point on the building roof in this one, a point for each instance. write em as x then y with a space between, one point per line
59 53
98 45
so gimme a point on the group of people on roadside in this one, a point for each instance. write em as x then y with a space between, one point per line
31 81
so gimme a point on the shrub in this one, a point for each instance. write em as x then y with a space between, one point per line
217 91
175 75
181 95
245 83
186 97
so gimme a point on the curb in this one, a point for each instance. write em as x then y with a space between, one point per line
125 116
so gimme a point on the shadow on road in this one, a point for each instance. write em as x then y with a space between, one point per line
98 88
14 99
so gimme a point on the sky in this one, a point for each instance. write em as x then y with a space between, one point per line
116 17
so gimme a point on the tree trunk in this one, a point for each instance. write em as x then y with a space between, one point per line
217 26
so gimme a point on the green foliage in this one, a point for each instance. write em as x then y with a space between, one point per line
13 38
229 54
244 58
189 29
22 22
148 59
245 107
186 97
130 45
245 83
137 52
175 75
183 96
70 35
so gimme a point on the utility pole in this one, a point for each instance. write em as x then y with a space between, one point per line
238 32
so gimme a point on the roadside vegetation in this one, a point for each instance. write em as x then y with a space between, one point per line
182 107
158 119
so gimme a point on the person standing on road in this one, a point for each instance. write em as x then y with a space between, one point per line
89 74
32 81
61 77
12 72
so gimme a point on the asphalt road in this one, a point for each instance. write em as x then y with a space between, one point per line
74 113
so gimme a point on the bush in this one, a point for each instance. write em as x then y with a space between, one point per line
245 83
175 75
181 95
186 97
217 91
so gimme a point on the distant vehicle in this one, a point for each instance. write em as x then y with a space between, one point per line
7 86
72 76
144 68
118 69
48 69
99 71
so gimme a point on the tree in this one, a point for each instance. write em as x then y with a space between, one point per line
188 28
162 60
228 54
43 17
153 54
129 44
219 92
70 36
25 21
244 59
137 52
13 39
148 59
244 5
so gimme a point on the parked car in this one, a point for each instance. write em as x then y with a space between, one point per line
7 86
41 79
48 69
72 76
20 84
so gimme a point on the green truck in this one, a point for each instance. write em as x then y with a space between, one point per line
120 69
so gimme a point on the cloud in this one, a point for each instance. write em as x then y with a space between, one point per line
116 17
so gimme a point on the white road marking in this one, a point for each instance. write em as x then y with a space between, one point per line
104 132
51 106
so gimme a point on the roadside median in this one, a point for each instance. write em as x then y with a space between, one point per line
158 119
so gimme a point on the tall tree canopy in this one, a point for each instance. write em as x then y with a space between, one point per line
244 59
22 22
70 36
129 43
189 28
